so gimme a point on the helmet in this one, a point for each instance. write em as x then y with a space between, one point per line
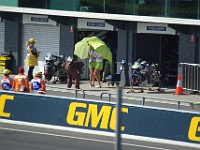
135 65
7 71
69 58
123 62
38 73
143 62
48 57
32 40
21 69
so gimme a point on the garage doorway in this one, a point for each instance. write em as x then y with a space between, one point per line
169 58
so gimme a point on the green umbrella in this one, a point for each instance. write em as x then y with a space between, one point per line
102 49
82 48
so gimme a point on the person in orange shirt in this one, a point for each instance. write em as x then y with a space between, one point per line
7 83
21 81
38 85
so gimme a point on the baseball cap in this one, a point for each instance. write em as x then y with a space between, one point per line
38 73
32 40
21 69
7 71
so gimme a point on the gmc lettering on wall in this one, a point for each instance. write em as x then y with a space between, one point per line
88 115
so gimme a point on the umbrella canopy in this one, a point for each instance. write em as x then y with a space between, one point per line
102 49
82 48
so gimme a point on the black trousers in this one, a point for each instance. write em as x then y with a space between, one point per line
30 72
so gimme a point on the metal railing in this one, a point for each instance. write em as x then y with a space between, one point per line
143 100
76 91
190 76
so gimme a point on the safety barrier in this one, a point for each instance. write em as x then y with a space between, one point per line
190 77
100 116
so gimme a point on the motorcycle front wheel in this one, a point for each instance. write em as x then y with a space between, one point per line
134 81
48 72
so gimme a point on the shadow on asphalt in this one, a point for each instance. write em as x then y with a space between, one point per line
163 92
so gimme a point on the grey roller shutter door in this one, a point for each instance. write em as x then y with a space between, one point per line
47 37
2 36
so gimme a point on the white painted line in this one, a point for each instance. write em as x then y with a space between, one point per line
103 133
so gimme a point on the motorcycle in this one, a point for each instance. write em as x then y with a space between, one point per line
140 73
155 74
54 68
145 73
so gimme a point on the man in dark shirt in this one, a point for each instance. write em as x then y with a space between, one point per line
73 69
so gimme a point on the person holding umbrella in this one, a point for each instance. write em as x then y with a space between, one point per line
92 59
98 68
99 50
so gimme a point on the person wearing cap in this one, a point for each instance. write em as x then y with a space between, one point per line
73 69
38 85
31 57
7 83
21 81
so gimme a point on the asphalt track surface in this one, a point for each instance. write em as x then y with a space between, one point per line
20 137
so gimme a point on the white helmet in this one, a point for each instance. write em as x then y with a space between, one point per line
69 58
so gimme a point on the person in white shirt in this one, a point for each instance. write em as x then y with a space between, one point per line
98 68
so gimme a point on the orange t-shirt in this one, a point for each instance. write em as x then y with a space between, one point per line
21 83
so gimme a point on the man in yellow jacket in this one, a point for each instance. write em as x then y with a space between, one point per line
31 57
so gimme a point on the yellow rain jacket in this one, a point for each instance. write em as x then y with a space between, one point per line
32 58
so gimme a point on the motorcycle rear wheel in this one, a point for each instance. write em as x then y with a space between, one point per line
62 75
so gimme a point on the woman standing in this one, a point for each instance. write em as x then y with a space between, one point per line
91 65
31 57
98 68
